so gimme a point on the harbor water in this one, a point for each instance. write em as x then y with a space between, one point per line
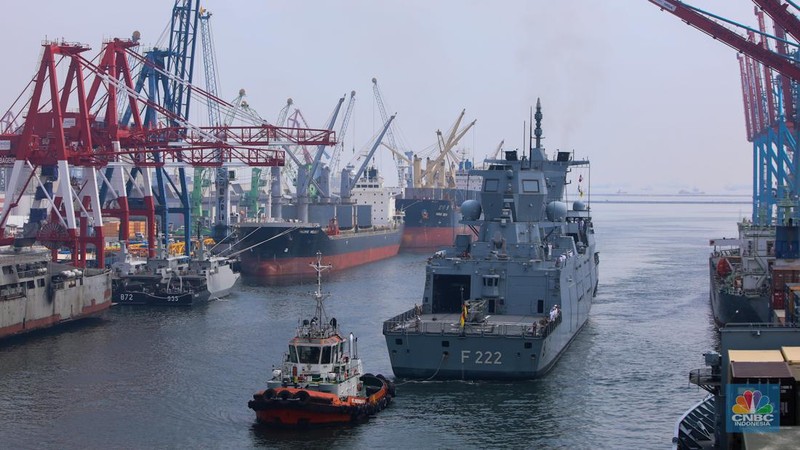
181 378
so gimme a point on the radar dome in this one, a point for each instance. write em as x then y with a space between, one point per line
578 206
136 36
471 210
556 211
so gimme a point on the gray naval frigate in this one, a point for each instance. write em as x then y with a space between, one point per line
506 302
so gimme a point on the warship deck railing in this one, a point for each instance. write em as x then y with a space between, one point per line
411 322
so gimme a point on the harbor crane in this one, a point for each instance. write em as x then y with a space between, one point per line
66 211
769 84
402 159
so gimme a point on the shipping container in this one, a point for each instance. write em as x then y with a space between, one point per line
795 370
755 355
791 354
792 297
783 273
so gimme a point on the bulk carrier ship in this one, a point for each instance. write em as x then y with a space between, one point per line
431 215
358 227
430 204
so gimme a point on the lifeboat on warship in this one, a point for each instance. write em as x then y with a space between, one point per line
321 380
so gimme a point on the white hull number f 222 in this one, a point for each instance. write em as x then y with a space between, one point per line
481 357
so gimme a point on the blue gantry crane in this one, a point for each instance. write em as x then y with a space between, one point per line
165 78
770 75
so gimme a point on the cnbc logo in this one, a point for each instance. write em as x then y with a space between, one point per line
752 408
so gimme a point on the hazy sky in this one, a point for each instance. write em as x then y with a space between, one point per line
654 103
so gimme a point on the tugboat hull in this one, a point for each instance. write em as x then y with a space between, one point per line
298 408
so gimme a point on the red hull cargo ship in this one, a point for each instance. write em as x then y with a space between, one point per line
363 230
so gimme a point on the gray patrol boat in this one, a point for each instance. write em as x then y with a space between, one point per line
506 304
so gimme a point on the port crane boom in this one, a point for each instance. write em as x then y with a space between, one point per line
703 22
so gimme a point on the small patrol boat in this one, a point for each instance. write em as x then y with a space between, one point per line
321 381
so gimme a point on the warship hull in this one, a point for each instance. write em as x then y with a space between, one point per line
284 251
478 356
38 294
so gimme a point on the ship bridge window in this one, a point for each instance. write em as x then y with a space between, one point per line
491 185
7 270
292 354
326 355
530 185
308 355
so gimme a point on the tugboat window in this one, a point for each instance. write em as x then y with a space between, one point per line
292 354
308 355
326 355
490 186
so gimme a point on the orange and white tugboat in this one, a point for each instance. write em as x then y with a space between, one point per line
321 381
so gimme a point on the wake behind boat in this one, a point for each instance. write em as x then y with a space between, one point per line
322 380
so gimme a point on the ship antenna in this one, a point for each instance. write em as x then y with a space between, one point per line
530 136
538 116
318 295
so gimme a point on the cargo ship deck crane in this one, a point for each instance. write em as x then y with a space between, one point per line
337 151
404 177
438 173
769 102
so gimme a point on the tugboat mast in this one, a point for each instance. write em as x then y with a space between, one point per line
318 295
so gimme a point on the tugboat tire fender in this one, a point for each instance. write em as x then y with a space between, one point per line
302 396
269 394
285 395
